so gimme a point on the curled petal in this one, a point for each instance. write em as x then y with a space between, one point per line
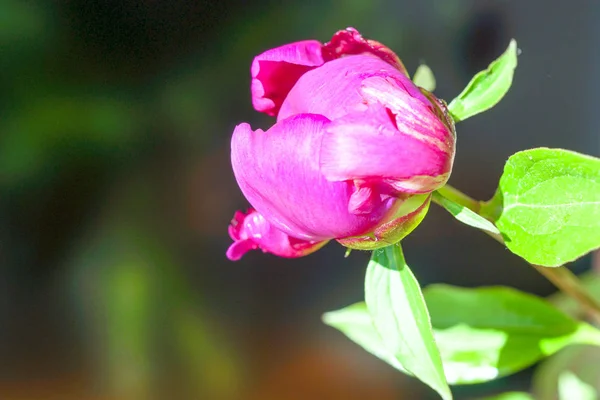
374 145
252 231
278 172
363 200
350 42
275 72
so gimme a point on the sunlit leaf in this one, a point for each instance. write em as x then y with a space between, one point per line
424 78
547 205
464 215
490 332
486 88
356 323
395 302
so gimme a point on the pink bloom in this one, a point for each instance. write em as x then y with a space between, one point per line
354 155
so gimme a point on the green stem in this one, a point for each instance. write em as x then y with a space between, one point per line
459 197
567 282
561 276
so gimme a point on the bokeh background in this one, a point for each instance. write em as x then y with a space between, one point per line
116 191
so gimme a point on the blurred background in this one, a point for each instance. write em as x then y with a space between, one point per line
116 191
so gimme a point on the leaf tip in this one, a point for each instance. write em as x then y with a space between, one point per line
327 318
514 50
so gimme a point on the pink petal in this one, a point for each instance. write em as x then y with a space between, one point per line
251 231
416 116
363 200
275 72
334 89
350 42
372 145
278 172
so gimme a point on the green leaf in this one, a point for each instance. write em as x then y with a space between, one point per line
571 387
464 215
399 315
547 205
482 334
486 88
491 332
424 78
356 323
512 396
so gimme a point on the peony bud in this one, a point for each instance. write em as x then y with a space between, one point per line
354 155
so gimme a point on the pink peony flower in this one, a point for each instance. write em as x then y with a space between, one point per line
354 154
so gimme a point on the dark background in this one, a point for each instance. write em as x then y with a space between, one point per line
116 191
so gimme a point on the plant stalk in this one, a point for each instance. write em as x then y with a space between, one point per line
561 277
459 197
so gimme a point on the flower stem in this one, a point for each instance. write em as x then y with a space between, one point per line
561 276
568 283
459 197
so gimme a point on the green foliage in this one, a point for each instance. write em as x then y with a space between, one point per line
127 310
424 78
207 354
511 396
399 314
547 205
486 88
24 26
53 129
356 323
482 334
464 215
491 332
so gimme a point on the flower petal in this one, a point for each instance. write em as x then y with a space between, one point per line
251 231
275 72
416 116
363 200
278 172
371 145
334 89
350 42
